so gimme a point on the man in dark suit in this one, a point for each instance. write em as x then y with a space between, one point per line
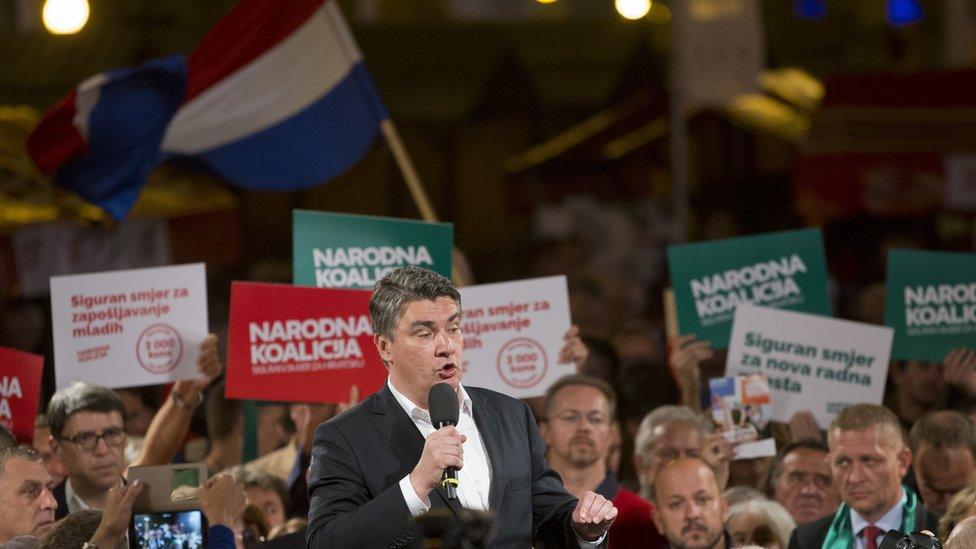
380 463
868 458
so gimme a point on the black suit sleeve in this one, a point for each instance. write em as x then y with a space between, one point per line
343 513
552 506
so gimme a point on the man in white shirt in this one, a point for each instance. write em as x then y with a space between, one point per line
380 463
868 458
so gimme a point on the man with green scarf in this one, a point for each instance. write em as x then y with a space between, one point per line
868 458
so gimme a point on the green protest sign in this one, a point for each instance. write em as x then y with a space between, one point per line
785 270
333 250
930 301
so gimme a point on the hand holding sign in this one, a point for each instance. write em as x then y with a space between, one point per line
574 350
687 354
717 452
803 426
210 368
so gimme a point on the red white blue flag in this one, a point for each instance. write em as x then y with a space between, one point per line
274 97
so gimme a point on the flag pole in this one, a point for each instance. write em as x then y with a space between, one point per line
406 168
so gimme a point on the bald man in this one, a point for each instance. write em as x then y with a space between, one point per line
688 506
963 536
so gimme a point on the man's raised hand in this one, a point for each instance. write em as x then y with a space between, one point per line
442 449
593 516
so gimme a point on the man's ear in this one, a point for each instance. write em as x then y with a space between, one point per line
904 460
544 431
383 347
655 516
55 445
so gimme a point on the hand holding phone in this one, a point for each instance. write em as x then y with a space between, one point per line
115 517
223 500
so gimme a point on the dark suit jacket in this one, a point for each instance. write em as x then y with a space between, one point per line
62 498
360 456
811 535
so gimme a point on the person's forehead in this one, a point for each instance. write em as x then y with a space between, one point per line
87 420
419 310
259 493
944 453
805 458
579 397
686 480
677 433
18 470
878 436
745 520
942 460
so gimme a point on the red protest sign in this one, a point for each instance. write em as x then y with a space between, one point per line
300 344
20 389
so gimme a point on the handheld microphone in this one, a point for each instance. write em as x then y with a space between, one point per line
443 405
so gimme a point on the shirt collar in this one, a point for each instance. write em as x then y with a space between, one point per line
75 503
889 521
416 413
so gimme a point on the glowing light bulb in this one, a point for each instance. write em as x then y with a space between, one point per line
65 16
632 9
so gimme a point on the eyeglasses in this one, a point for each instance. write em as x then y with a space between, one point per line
595 419
87 441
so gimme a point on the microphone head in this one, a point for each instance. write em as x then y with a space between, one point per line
443 404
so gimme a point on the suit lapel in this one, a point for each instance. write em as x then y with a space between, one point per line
486 419
405 441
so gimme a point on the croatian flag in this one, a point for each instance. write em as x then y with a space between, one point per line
274 97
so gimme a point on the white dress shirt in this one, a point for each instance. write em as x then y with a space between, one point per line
889 521
474 479
75 503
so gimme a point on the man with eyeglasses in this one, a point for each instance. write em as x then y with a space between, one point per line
577 427
87 425
88 433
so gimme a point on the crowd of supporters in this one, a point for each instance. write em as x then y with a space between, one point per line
628 425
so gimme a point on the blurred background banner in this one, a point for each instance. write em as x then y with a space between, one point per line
721 50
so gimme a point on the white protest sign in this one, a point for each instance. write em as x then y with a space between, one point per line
129 328
513 332
812 362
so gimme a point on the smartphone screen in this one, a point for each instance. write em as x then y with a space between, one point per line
168 529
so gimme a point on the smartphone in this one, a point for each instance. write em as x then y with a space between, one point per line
168 529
